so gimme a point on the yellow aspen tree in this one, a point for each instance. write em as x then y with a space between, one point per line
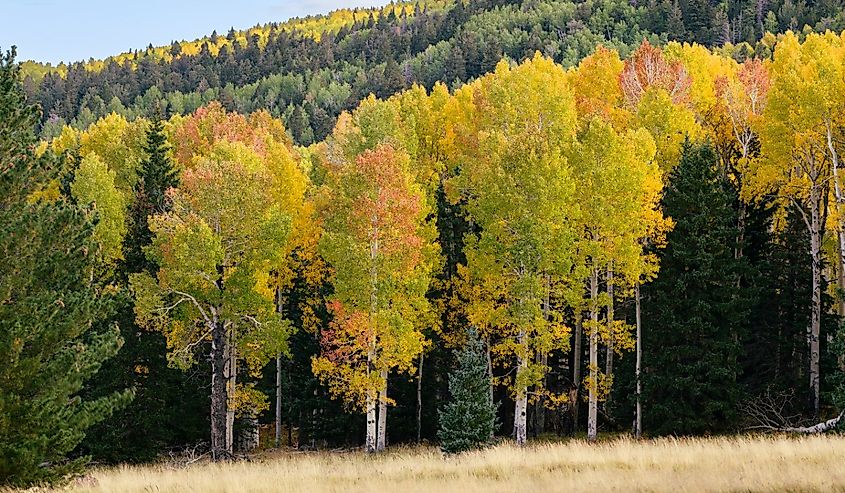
511 130
94 186
795 165
120 145
213 249
379 243
607 113
621 186
411 123
823 79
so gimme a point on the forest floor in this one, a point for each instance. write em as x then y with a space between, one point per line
754 463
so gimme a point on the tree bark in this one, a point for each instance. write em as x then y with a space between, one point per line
576 368
608 369
592 414
381 442
840 273
219 400
419 398
490 377
370 443
231 386
638 423
520 415
815 320
278 420
248 438
840 210
278 401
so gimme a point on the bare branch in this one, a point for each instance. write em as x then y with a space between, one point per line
208 320
770 412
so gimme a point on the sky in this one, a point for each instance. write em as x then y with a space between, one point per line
74 30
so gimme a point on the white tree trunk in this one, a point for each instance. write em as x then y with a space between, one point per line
840 273
370 443
248 438
638 424
592 414
381 441
231 386
815 320
813 222
837 184
817 428
419 398
576 367
372 394
840 210
278 421
520 415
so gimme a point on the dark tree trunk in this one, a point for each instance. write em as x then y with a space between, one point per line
219 401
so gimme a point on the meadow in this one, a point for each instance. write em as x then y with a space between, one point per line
753 463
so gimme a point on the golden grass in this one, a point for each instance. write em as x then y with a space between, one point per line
670 465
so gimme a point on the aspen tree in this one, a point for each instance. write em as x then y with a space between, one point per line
514 126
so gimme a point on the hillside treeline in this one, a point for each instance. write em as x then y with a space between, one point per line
310 71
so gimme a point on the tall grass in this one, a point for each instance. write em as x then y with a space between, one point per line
671 465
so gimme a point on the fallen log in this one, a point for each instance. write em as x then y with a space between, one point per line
816 428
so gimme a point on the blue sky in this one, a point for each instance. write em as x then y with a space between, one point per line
68 30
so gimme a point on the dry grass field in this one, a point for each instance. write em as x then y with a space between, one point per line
723 464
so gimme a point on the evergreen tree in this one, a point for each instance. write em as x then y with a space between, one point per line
776 355
695 312
675 28
776 345
51 340
393 81
455 67
156 175
299 126
468 420
698 15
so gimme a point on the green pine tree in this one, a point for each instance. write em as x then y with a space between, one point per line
156 175
675 28
776 343
695 312
51 338
467 421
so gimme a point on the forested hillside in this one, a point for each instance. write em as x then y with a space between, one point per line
548 218
309 71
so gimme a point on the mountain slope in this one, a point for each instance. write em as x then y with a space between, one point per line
308 71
